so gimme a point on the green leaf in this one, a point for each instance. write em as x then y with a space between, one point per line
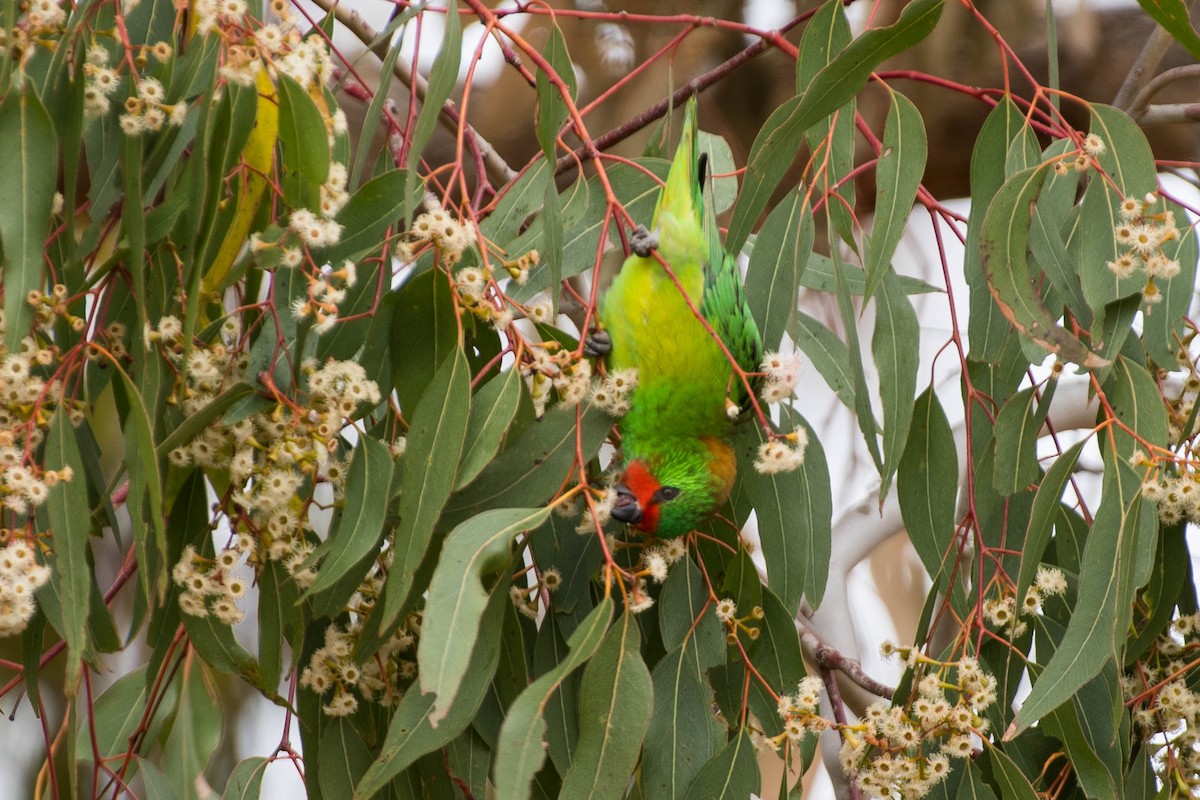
1009 778
302 138
70 523
442 79
470 759
987 329
827 353
1129 164
424 332
533 466
682 735
776 655
819 276
898 176
195 733
475 549
1100 621
552 109
343 755
522 747
1163 324
1016 444
517 200
492 410
371 210
413 732
722 170
357 530
731 774
777 262
1043 515
245 782
614 710
435 442
927 482
1002 247
117 714
145 480
1173 16
157 785
775 147
895 346
27 186
1134 396
197 422
795 511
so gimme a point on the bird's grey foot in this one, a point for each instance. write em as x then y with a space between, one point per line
597 343
643 242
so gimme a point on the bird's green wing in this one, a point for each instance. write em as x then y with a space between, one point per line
724 303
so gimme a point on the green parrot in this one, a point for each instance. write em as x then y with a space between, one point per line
679 464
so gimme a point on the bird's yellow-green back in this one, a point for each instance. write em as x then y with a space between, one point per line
674 433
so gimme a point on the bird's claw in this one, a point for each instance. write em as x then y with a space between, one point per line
597 343
643 242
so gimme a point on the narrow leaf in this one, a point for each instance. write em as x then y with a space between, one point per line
614 710
731 774
70 523
457 597
1002 249
898 176
435 442
358 529
27 186
897 356
522 746
1016 444
776 265
492 410
927 484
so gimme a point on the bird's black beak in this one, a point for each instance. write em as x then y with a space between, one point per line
625 507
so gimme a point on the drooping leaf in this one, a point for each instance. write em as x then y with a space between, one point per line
730 774
70 522
302 138
897 357
1002 247
245 782
1016 444
522 747
442 79
371 210
457 597
1099 625
776 265
614 710
898 175
552 109
435 442
358 529
27 186
413 731
927 495
1043 514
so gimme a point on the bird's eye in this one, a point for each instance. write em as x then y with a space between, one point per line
667 493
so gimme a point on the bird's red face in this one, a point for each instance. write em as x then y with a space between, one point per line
640 497
634 504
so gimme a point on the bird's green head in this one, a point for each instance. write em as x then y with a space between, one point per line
670 492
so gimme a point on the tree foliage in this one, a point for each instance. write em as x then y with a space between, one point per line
327 400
